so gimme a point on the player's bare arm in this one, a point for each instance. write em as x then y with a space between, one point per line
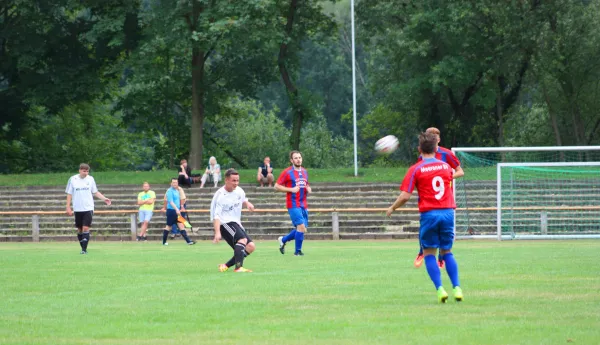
175 207
308 189
69 211
217 227
400 201
103 198
164 208
249 205
284 189
458 172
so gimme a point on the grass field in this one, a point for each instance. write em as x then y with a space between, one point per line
349 292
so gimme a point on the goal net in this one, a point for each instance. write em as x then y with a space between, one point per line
512 192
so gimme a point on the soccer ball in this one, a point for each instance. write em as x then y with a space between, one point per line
386 145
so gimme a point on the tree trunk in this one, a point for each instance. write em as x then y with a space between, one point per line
500 113
292 91
195 160
198 60
553 119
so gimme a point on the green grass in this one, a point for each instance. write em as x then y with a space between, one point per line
349 292
163 176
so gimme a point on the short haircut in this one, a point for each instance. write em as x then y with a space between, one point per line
432 130
145 182
84 166
427 142
174 179
266 158
230 172
293 152
183 161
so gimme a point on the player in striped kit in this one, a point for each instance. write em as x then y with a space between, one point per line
446 156
294 182
226 214
433 180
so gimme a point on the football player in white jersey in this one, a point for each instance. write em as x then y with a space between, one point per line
226 214
81 190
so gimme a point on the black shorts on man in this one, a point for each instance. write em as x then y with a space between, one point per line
233 232
83 219
171 217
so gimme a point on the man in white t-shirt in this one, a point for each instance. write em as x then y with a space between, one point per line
226 214
81 190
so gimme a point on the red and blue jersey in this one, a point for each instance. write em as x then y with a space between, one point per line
433 180
291 178
446 156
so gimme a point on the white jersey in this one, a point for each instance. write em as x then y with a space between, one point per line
227 206
83 191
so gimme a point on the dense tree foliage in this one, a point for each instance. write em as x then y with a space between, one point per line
142 84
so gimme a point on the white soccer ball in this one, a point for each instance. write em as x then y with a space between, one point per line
387 144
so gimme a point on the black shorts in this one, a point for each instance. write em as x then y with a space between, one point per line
83 219
233 232
171 217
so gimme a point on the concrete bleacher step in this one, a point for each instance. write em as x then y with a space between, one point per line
269 224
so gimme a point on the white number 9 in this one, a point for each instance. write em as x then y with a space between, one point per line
438 186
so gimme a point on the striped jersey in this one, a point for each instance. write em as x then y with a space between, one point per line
446 156
433 180
291 178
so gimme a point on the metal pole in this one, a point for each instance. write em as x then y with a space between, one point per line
354 90
133 226
35 228
335 225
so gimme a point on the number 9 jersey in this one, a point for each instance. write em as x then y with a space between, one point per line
433 179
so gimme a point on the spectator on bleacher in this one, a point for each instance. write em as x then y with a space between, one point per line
265 173
212 173
81 190
185 174
146 201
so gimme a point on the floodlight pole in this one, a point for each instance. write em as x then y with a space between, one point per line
354 89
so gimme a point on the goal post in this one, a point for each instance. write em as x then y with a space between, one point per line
476 193
548 200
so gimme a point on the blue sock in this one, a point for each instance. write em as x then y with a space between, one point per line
289 236
433 270
299 240
452 269
420 247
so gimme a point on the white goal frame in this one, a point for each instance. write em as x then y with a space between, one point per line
539 164
499 236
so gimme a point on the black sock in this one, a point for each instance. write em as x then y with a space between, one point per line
185 236
85 240
238 253
79 238
231 262
165 235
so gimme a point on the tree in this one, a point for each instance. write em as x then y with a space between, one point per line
459 64
303 20
57 53
228 46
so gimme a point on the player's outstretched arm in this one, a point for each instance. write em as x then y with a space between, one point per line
400 201
249 205
458 172
103 198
